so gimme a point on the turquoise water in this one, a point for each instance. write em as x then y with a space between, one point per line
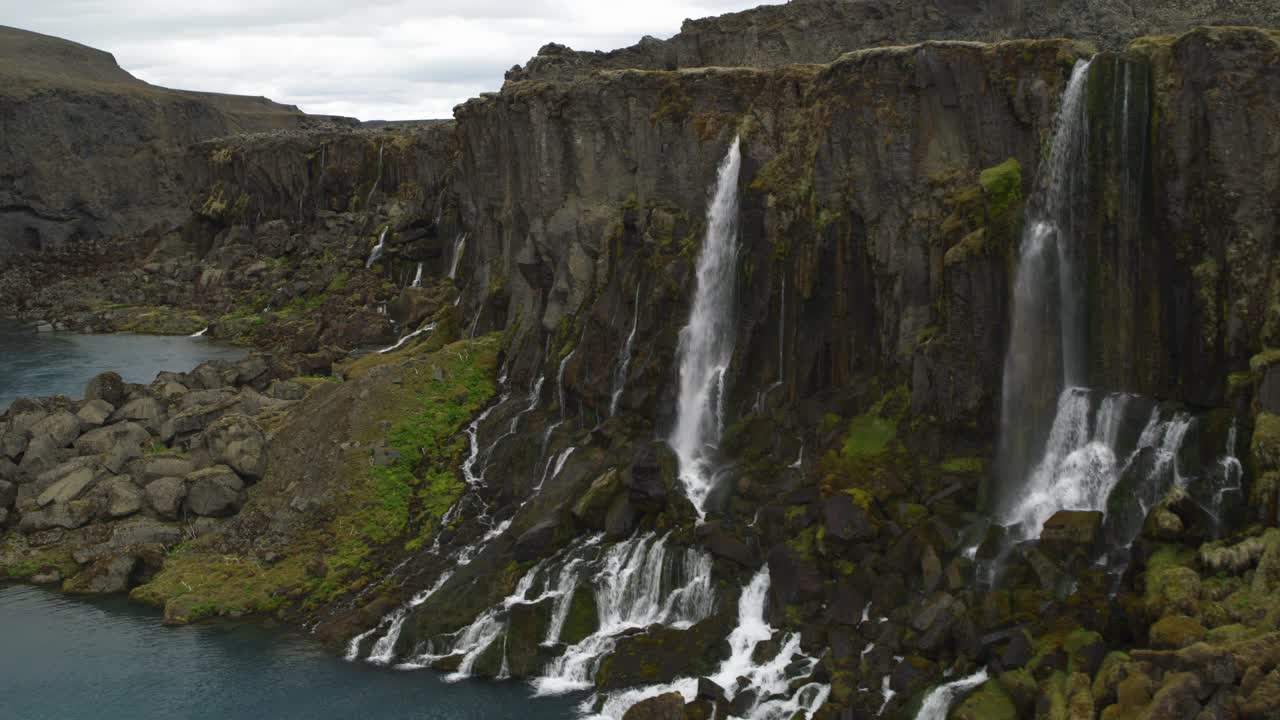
34 364
63 658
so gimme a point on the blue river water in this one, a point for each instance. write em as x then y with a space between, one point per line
64 658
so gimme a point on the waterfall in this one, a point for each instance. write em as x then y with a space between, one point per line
402 341
417 277
624 364
199 334
1046 345
630 594
459 245
368 202
706 342
776 680
938 702
376 254
1230 480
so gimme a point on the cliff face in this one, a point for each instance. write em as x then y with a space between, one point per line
90 151
818 31
504 475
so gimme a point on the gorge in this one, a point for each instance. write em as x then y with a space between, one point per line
836 359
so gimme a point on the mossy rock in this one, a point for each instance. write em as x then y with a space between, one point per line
1175 632
583 618
1002 187
1171 587
1266 443
989 702
662 654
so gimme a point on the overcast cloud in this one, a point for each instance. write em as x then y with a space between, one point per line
376 60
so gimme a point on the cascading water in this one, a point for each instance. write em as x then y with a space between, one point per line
624 362
938 702
1046 346
417 277
459 245
404 340
777 681
368 201
630 593
1229 481
376 254
707 341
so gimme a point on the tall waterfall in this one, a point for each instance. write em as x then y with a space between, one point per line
459 245
1046 345
376 254
706 342
624 364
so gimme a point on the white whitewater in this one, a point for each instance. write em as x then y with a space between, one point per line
404 340
199 334
624 363
417 277
775 697
368 201
459 245
1046 344
629 592
1229 481
938 702
707 341
376 254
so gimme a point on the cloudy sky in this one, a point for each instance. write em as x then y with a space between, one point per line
375 59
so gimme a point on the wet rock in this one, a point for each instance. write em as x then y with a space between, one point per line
108 386
621 520
166 496
669 706
526 627
795 578
722 543
214 492
238 441
536 541
1069 530
593 507
708 690
1263 699
663 654
647 479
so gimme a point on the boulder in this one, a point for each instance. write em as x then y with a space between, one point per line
94 414
848 517
8 469
108 386
238 441
646 480
144 410
1072 529
12 443
214 492
166 496
711 692
70 486
668 706
64 515
725 544
287 390
155 467
252 370
8 494
41 456
105 440
107 575
123 497
60 427
593 507
197 418
535 541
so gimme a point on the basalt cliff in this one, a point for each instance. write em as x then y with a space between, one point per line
831 359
